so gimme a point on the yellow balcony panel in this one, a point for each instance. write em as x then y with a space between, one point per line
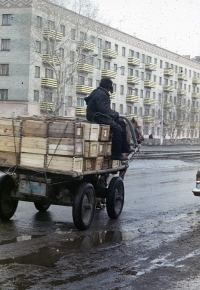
149 84
130 116
133 61
168 72
132 98
181 107
110 53
149 101
168 104
150 66
194 124
84 67
113 95
47 58
85 45
48 33
181 123
82 89
181 92
196 81
133 80
46 106
195 95
148 119
182 76
108 73
47 82
195 109
168 121
168 88
81 111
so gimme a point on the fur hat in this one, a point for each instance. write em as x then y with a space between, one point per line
106 83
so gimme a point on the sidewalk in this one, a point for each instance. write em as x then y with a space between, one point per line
172 148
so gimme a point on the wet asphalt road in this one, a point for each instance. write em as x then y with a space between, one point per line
154 244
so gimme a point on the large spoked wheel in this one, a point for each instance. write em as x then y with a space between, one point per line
115 199
8 205
41 206
84 206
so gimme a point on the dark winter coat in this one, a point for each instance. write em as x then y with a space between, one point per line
99 102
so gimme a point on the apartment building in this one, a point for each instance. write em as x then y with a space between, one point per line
51 58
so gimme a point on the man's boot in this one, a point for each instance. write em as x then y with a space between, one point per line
116 151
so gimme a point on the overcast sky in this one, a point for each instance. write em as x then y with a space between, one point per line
171 24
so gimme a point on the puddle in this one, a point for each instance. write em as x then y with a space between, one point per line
20 239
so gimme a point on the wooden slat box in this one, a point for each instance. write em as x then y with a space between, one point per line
104 133
9 144
65 130
66 146
65 163
91 149
34 145
32 160
116 163
108 148
102 148
9 158
90 164
10 127
90 131
107 163
32 128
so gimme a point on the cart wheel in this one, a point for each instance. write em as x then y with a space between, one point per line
84 206
8 205
115 199
41 206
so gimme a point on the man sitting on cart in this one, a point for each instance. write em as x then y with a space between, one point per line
99 111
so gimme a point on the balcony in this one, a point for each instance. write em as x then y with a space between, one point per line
148 119
84 67
47 58
149 84
132 99
181 92
133 61
51 83
113 95
168 88
110 53
80 111
46 106
130 116
48 33
195 110
182 76
150 66
82 89
181 123
196 81
133 80
149 101
85 45
168 104
181 107
168 72
195 95
194 124
108 73
168 121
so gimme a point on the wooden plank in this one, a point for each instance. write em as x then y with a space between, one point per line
104 133
34 144
66 146
10 127
9 158
9 144
65 163
90 131
32 160
91 149
65 129
33 128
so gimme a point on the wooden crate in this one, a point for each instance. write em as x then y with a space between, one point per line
90 164
10 158
102 148
33 128
99 163
104 133
90 131
32 160
108 148
65 163
116 163
10 127
9 144
66 146
107 163
91 149
67 129
34 145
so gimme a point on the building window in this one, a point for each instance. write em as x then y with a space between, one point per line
115 67
113 106
146 130
142 75
121 90
3 94
130 72
48 73
92 39
154 78
161 63
83 36
5 44
148 76
123 51
114 87
107 44
36 96
80 102
73 34
137 73
61 52
149 59
37 72
62 29
116 47
154 95
141 93
97 83
99 44
71 56
140 112
147 94
160 80
6 19
99 63
137 55
4 69
90 82
38 46
51 25
122 70
121 109
81 80
129 109
106 65
69 101
131 52
155 60
143 58
39 22
135 110
130 90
